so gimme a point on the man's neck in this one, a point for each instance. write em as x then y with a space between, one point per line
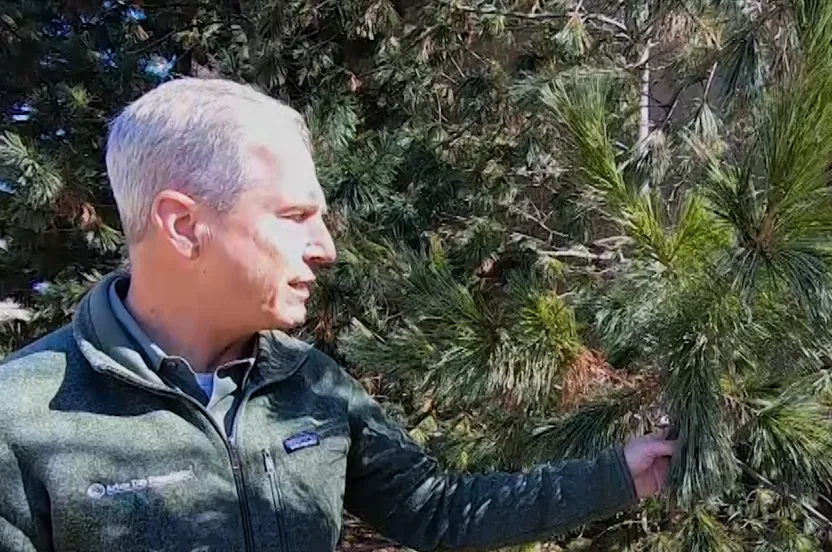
181 325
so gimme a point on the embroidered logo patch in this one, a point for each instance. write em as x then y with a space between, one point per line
97 491
301 441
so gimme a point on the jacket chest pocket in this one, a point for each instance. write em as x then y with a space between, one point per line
306 475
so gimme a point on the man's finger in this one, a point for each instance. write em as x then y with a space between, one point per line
664 448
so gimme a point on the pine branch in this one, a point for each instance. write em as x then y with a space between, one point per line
783 223
580 252
578 103
471 347
38 183
788 437
591 429
702 532
698 341
811 510
539 16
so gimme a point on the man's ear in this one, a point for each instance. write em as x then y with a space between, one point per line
174 215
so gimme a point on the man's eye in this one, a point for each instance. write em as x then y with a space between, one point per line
297 217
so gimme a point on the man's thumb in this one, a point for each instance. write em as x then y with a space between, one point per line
664 448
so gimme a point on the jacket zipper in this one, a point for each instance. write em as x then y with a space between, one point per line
237 466
237 469
230 445
271 473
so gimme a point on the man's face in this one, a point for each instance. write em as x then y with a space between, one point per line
262 255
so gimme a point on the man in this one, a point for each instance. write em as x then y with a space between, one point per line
174 413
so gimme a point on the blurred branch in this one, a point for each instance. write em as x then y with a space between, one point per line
762 480
200 26
580 252
12 29
10 310
538 219
540 16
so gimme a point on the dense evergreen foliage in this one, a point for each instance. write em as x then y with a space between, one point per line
559 223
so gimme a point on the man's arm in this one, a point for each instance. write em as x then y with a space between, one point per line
17 524
396 487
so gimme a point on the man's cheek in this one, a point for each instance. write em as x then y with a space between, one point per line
291 244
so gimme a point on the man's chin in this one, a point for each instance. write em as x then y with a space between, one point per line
291 319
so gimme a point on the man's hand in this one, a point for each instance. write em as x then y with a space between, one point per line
648 458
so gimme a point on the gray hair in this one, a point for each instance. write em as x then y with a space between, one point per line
186 134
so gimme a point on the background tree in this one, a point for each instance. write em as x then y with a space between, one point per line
560 223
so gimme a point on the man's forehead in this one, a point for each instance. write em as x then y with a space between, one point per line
286 173
306 194
272 125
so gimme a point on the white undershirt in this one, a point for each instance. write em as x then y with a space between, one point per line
206 381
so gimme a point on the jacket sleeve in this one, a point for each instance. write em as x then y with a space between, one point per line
395 486
17 524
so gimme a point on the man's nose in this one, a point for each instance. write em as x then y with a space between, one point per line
322 250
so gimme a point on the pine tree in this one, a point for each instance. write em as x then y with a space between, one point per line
707 293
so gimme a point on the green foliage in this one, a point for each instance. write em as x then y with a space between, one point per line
37 185
702 532
775 196
588 430
697 348
468 346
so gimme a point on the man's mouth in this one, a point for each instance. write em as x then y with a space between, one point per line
303 288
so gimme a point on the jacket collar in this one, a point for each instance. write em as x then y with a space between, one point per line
104 343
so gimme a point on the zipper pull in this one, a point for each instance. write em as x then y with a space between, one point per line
236 465
268 462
